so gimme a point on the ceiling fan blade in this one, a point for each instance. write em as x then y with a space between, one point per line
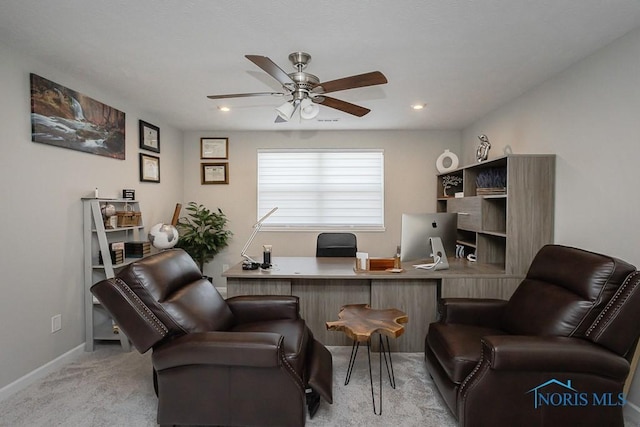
244 95
361 80
345 106
270 68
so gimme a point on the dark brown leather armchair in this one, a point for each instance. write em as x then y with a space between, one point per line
247 360
556 354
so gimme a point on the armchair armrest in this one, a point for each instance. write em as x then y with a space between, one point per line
485 312
512 367
552 354
257 308
254 349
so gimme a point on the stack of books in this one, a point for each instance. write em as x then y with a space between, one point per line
137 249
116 252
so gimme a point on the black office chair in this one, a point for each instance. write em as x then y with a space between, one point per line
336 245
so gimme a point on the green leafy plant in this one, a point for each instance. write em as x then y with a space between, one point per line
203 233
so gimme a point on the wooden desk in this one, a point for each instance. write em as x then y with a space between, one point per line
324 285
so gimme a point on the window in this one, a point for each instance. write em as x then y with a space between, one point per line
322 189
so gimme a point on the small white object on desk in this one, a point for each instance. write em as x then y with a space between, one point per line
362 258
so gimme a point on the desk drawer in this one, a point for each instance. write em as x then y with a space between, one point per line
469 212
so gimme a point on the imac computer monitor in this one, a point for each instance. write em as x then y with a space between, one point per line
418 228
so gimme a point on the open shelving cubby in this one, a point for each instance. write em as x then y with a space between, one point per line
503 226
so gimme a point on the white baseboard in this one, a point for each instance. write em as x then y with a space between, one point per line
40 372
631 412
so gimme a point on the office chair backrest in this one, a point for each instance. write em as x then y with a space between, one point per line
336 245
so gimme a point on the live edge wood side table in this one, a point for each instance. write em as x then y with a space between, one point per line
359 322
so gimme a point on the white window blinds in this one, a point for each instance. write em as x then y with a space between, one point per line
320 189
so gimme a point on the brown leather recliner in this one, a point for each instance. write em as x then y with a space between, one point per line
556 354
247 360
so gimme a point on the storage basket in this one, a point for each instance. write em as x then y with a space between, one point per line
128 218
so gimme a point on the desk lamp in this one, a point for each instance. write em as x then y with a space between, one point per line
249 263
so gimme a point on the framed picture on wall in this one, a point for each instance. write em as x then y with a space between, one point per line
62 117
215 173
214 148
149 168
149 137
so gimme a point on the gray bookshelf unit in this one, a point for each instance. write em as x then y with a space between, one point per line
99 325
505 228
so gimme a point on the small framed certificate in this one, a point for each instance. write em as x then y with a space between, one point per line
149 136
215 173
214 148
149 168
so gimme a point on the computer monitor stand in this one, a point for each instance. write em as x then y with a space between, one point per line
440 261
437 251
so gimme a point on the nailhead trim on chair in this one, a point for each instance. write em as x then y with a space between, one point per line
288 366
475 373
616 300
141 308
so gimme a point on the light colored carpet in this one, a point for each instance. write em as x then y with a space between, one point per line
414 402
112 388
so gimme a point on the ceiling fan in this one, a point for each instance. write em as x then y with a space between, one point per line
306 90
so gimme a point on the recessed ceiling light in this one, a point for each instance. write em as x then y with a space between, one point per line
418 106
223 108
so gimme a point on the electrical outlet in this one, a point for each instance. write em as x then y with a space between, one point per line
56 323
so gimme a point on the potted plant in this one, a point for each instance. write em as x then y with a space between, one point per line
202 233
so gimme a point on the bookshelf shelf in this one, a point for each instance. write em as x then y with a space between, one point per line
98 239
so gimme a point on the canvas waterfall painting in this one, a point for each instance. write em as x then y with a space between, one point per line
66 118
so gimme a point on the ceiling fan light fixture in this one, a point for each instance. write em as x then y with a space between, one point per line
224 108
308 109
285 111
418 106
303 86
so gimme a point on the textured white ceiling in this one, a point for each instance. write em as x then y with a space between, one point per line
462 58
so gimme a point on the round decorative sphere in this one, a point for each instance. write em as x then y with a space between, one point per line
108 211
163 236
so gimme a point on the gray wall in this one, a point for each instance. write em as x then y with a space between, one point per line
588 116
410 185
41 215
